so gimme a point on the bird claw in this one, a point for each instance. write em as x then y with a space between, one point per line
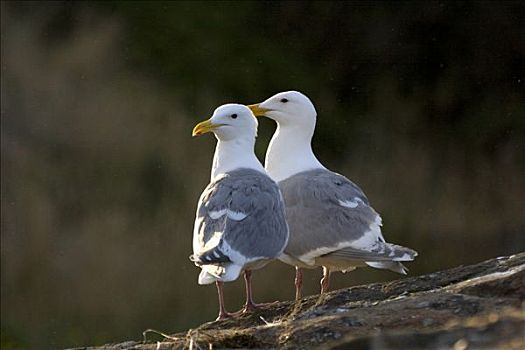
251 307
225 316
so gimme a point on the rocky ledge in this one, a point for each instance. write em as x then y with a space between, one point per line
479 306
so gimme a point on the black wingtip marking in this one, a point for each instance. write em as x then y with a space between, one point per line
213 256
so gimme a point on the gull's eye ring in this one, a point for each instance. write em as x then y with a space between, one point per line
234 116
284 100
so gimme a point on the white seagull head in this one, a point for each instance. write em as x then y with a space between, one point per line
287 108
229 122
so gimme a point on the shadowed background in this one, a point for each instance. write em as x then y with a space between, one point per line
421 104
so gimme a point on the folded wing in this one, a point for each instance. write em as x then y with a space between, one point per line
330 219
240 220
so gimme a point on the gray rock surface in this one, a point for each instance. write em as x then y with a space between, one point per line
479 306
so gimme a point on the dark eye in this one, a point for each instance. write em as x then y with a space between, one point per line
284 100
234 116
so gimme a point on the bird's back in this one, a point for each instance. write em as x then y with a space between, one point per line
328 213
240 219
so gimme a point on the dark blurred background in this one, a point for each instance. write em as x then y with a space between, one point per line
420 103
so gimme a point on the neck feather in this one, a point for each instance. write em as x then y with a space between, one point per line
290 152
234 154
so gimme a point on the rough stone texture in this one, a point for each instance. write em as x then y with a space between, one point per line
469 307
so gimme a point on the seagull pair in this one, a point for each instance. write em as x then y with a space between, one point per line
293 209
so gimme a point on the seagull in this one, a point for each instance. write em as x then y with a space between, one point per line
332 224
240 222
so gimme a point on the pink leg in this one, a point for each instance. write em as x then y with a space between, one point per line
325 281
223 314
298 283
250 305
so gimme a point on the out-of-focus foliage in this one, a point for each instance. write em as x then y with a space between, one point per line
419 103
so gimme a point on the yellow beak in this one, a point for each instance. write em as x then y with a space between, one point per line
203 127
257 110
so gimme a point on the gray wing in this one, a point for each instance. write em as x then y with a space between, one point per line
326 213
378 252
240 218
380 256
